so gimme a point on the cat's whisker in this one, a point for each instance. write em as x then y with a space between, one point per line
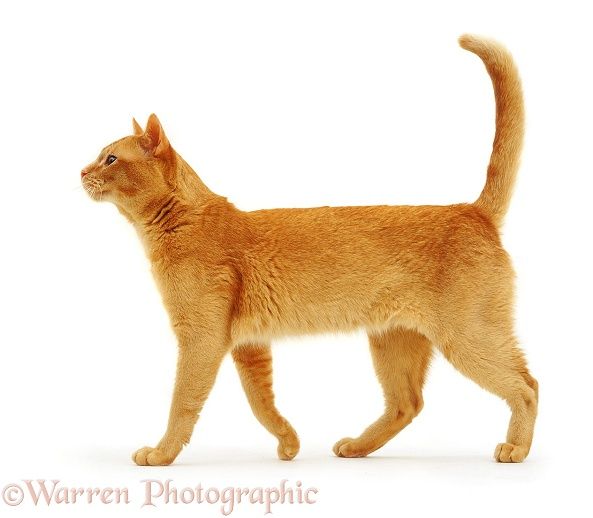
90 189
92 186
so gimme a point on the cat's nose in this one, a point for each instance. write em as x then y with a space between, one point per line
83 173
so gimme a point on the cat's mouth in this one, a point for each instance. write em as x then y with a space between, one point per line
93 187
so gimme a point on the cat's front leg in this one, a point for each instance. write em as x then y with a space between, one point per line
197 365
254 365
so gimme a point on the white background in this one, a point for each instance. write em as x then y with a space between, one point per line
282 104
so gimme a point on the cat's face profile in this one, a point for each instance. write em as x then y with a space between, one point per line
132 172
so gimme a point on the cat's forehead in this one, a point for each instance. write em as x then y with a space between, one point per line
126 147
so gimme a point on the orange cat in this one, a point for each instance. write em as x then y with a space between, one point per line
412 277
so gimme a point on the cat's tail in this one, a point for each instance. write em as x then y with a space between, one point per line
510 120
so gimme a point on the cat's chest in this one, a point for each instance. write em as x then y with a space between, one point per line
174 286
172 278
164 251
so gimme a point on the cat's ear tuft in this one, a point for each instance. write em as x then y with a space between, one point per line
155 141
137 128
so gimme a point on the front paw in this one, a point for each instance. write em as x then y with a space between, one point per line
148 456
348 447
288 445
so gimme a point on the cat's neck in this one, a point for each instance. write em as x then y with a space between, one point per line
190 186
181 206
186 193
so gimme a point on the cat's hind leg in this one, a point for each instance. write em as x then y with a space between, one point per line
401 358
254 365
494 361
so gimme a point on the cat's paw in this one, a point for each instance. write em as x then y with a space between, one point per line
348 447
288 446
506 452
148 456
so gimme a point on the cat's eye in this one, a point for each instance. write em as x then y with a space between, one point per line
110 159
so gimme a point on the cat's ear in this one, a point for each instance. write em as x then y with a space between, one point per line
137 128
155 141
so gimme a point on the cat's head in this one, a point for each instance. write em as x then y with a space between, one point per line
135 171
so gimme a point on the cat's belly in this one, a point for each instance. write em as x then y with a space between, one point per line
262 317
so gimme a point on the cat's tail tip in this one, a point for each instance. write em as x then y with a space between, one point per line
469 41
477 44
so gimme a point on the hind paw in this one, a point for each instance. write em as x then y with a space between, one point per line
507 452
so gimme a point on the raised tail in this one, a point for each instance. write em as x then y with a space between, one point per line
510 121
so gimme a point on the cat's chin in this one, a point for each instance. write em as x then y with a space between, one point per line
97 197
100 196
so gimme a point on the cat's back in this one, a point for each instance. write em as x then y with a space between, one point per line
396 227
